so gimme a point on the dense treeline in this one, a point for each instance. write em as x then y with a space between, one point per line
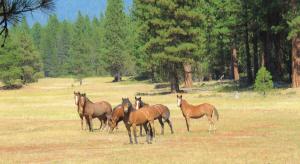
218 38
176 41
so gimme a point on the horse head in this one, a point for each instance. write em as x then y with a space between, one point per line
179 100
126 105
138 102
76 97
82 100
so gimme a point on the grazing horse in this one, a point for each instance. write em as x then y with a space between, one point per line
101 110
160 112
117 115
197 111
133 118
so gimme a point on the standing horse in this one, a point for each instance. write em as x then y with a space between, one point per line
101 110
197 111
160 112
133 118
79 109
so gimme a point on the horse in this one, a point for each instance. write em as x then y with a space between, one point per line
79 110
101 110
197 111
160 112
133 118
117 115
77 96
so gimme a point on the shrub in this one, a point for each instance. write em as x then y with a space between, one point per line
263 81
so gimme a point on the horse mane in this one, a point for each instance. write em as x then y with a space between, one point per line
184 101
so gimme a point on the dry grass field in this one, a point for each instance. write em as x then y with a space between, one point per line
40 124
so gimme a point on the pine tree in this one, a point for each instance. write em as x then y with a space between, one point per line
20 61
63 47
49 47
114 38
80 50
175 29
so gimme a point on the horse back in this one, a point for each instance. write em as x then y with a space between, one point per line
139 117
162 110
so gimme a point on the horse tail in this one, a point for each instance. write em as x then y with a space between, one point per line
216 113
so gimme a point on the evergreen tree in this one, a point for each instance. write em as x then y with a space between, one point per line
63 47
114 38
49 47
80 50
20 61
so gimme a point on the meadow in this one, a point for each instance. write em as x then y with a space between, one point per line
40 124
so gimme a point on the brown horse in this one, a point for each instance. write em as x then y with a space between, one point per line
101 110
79 109
160 112
133 118
197 111
116 116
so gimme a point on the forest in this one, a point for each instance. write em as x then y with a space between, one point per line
171 41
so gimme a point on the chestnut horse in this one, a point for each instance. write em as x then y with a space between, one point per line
197 111
133 118
116 116
160 112
101 110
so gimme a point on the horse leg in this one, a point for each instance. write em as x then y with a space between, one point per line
162 125
141 130
151 123
147 133
134 133
91 123
170 124
187 120
100 124
81 117
211 123
129 132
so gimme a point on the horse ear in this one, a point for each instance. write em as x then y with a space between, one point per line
180 96
135 97
83 94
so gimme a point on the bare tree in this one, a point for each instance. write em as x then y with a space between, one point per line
11 12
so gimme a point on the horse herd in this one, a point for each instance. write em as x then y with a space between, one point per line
140 114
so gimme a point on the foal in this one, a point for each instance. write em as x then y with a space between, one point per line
197 111
159 111
101 110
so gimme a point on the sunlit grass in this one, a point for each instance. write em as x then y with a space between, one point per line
39 123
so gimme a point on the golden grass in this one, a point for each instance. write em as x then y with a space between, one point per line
39 124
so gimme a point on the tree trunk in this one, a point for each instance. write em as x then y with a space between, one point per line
296 62
188 80
246 35
295 54
234 63
278 58
255 53
174 81
117 77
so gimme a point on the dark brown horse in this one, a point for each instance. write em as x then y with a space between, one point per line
133 118
198 111
160 112
101 110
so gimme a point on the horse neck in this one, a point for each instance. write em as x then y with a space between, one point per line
184 104
143 104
